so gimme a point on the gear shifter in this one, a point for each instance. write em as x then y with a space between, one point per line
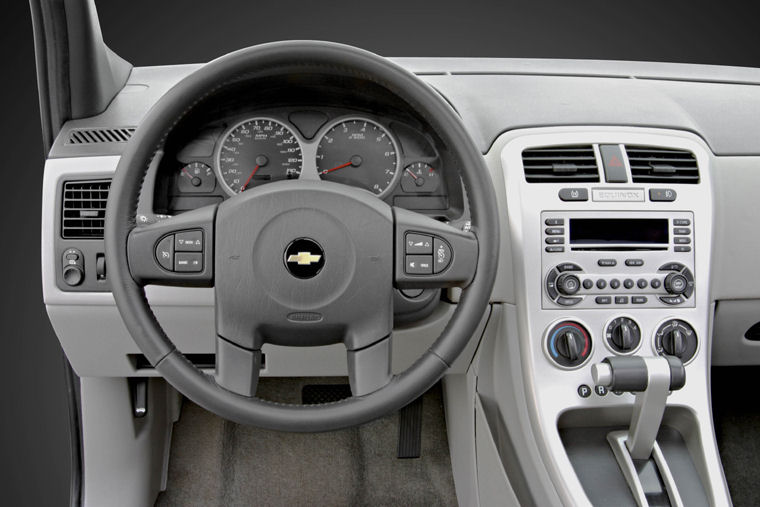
636 450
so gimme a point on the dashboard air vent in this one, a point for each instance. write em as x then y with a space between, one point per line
83 214
557 164
662 165
99 136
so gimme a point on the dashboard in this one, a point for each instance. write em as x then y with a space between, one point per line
391 158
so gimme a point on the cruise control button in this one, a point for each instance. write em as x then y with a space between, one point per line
556 221
607 263
638 300
185 262
634 262
165 253
573 194
441 255
662 194
419 264
603 300
419 244
188 241
555 231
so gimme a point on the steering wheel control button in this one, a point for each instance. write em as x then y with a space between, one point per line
623 335
165 252
419 265
584 391
186 262
419 244
676 337
568 344
304 258
573 194
614 167
188 241
662 195
441 255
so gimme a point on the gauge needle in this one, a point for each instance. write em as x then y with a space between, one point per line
188 174
412 174
336 168
249 178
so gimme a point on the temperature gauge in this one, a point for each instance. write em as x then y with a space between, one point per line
196 178
419 178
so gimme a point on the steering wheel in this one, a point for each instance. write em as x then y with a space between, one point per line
299 263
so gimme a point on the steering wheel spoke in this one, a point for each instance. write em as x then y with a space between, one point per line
432 254
175 251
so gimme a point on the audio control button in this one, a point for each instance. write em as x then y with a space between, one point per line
565 301
555 249
628 283
603 300
672 300
634 262
557 221
641 283
682 248
621 300
681 231
568 284
681 222
554 240
638 300
568 266
601 284
682 240
607 263
655 283
614 283
555 231
588 284
671 266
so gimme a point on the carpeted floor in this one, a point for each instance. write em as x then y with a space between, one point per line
215 462
736 414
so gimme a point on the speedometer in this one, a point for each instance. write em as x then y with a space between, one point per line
257 151
361 153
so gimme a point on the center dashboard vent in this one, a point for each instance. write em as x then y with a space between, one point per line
559 164
100 135
83 212
662 165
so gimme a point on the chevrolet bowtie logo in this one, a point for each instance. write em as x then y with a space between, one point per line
304 258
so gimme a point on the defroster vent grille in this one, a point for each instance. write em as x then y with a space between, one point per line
83 213
99 136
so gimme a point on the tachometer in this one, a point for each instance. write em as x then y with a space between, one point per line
361 153
255 152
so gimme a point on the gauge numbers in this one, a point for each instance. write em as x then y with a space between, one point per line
196 178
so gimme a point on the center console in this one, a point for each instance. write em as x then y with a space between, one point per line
611 233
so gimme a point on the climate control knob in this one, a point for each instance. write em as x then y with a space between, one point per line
676 338
623 335
568 284
568 344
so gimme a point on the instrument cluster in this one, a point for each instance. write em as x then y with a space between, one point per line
391 159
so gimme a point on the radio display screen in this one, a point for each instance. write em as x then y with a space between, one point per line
588 231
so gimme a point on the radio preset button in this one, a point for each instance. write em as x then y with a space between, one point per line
614 283
628 283
607 263
573 194
555 231
638 300
655 283
554 240
641 283
555 249
634 262
560 221
587 284
601 284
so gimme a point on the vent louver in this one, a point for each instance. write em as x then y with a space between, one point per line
662 165
83 212
99 136
557 164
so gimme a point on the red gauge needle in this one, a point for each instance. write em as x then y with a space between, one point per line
188 174
336 168
249 178
412 174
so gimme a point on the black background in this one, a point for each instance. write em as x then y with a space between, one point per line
33 418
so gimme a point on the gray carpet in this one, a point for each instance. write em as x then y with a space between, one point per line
215 462
736 414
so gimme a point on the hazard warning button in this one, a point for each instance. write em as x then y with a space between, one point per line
614 166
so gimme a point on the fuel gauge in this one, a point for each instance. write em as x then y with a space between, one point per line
196 178
419 178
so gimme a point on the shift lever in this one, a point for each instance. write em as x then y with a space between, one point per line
652 379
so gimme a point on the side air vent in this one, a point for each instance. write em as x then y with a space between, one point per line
83 212
99 136
662 165
557 164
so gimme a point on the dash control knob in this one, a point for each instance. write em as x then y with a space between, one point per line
676 337
676 283
623 335
568 344
568 284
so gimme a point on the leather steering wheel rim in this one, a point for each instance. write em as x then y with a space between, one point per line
121 220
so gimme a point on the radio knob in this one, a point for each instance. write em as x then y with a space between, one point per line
568 284
676 283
